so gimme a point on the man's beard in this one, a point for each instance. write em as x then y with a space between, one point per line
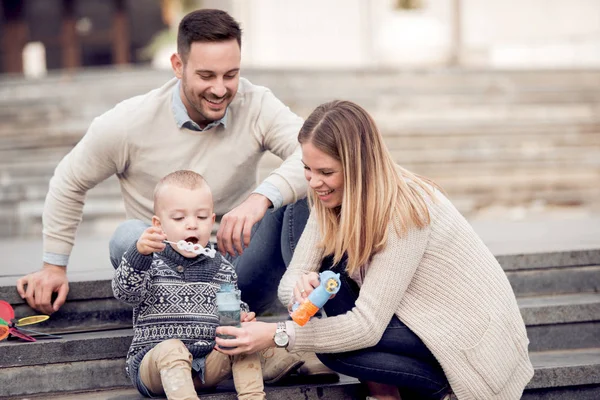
198 106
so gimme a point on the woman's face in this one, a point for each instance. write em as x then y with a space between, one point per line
324 175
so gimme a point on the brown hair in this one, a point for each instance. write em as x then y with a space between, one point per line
206 26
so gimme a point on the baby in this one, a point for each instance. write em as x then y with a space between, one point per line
173 290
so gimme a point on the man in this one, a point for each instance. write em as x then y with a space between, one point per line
207 119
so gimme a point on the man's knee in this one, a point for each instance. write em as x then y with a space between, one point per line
126 234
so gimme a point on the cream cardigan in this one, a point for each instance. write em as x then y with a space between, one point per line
447 287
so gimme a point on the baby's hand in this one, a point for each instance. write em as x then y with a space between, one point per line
151 241
247 317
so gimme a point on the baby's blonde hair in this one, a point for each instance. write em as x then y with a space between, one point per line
183 178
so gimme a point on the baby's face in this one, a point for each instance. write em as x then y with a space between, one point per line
185 214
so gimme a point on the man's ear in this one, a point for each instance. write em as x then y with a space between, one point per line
177 65
156 222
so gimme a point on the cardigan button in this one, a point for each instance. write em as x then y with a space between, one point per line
180 268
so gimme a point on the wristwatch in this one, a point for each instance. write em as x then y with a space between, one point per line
281 337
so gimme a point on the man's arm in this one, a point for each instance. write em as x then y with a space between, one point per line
99 154
277 129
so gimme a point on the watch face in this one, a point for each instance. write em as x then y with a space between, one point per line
281 339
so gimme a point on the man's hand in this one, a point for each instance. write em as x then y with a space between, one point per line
238 223
151 241
41 285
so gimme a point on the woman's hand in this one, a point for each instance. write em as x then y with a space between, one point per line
305 285
247 316
250 338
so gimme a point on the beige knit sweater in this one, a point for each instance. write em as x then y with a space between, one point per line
140 142
447 287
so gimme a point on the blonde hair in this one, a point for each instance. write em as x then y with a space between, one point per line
376 190
183 178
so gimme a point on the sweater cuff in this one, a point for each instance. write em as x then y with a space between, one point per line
56 250
271 192
137 260
290 329
62 260
288 194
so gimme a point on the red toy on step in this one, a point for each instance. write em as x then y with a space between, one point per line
11 326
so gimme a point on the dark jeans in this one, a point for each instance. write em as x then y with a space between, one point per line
262 264
400 358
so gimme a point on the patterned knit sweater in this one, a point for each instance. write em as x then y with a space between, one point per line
447 287
173 297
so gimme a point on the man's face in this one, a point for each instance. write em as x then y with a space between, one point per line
209 79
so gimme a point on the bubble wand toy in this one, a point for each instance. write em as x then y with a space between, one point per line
195 248
330 285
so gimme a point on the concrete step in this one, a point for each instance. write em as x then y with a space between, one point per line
567 321
563 329
29 148
440 95
553 322
64 368
395 94
528 261
23 204
565 375
391 120
347 389
458 168
434 80
552 288
68 132
90 378
555 280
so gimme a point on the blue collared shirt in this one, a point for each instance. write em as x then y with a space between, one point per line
183 120
182 117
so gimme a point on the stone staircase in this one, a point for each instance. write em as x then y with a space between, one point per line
558 294
490 138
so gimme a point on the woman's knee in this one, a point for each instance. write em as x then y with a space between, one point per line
330 360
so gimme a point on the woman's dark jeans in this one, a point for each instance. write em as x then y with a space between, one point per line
264 262
400 358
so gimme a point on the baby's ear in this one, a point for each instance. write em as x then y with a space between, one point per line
214 216
156 222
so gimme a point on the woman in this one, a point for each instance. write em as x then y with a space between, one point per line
423 301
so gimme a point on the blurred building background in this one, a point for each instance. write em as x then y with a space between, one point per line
316 33
497 100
